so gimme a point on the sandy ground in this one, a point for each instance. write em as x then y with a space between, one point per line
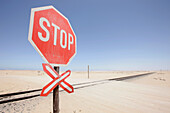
147 94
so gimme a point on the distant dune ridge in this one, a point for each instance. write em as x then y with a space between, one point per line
146 94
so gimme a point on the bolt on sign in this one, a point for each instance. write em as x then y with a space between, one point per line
52 36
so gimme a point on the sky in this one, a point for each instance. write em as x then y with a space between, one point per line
111 34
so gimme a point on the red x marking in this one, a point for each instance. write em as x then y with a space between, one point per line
57 80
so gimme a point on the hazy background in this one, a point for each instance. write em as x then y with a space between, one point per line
111 34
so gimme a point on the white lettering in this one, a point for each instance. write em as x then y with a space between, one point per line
70 40
55 33
61 38
63 35
45 39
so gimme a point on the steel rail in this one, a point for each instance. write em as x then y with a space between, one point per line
8 95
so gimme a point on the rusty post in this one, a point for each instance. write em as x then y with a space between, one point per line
56 95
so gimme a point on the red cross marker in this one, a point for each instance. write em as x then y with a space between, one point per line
57 80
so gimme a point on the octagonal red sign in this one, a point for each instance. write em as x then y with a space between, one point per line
52 36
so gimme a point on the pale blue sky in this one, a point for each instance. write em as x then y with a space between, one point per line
111 34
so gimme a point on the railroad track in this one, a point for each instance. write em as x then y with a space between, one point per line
18 96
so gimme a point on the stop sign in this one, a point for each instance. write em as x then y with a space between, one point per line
52 36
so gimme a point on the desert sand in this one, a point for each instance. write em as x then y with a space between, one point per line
146 94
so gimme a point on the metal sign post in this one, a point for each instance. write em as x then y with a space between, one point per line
56 95
88 72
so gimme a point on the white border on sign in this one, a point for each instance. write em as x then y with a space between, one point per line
33 10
